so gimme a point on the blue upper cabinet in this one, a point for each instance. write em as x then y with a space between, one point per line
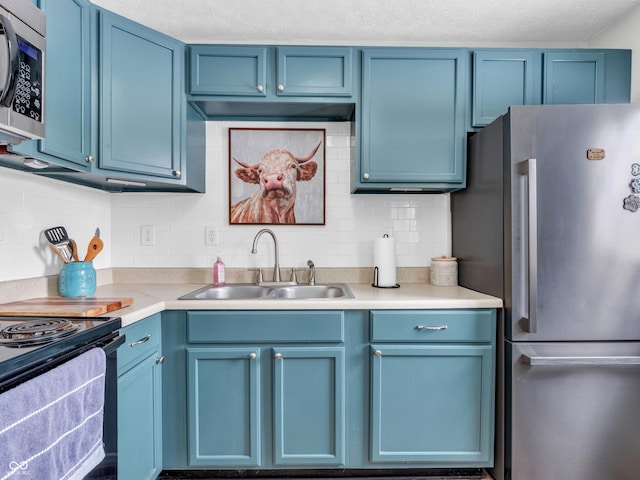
531 77
231 82
573 78
68 106
269 71
228 70
304 71
412 120
140 99
502 78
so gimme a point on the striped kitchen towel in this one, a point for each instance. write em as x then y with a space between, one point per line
51 425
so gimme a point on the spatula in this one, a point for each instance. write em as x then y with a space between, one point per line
57 236
95 247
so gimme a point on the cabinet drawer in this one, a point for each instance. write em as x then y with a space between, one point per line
271 326
141 338
433 325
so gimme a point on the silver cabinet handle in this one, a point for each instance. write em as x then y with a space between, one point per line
579 361
439 327
89 159
252 356
277 356
160 360
142 340
177 173
260 88
365 176
377 353
528 169
281 88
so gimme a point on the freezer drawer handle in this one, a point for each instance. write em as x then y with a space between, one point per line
579 361
423 327
528 169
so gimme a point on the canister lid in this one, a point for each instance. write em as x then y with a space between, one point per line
444 259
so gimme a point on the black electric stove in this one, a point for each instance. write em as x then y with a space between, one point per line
32 344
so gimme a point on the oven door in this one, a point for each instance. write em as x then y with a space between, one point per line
108 468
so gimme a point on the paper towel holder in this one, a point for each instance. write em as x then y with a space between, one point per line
375 280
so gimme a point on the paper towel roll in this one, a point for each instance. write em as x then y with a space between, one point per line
384 259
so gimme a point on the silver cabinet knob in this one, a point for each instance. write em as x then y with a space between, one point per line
89 159
260 88
365 176
252 356
177 173
281 88
377 353
277 356
160 359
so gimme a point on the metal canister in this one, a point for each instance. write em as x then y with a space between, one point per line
444 271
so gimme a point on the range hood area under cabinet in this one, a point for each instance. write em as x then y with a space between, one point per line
411 108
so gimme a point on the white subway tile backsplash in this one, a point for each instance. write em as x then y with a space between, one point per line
420 223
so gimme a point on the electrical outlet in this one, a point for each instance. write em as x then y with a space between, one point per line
211 236
147 235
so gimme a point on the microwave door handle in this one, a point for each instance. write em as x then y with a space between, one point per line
6 96
528 169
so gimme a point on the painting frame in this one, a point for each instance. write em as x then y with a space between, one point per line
277 176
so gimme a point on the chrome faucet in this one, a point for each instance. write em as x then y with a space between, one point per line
276 267
312 272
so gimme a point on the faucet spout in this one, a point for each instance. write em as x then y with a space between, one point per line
312 272
276 267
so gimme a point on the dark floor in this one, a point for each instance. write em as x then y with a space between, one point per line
467 474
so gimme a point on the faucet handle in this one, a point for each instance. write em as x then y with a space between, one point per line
312 272
294 275
259 270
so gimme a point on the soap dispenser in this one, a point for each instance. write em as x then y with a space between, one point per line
218 272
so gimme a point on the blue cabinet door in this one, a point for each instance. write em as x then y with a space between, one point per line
413 118
140 420
141 107
572 78
67 96
502 78
308 406
223 405
228 70
432 404
140 400
311 71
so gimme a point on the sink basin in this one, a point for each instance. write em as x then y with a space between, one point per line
247 291
236 291
312 291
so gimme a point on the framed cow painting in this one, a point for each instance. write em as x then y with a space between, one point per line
277 176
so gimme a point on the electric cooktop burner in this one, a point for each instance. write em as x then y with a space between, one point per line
36 332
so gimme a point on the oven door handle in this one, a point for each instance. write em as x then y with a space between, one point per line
113 344
11 41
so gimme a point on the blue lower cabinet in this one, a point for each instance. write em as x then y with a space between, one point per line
308 406
140 401
432 404
223 408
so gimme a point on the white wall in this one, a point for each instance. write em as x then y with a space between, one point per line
418 222
624 34
29 205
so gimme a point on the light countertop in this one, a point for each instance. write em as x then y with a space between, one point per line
157 297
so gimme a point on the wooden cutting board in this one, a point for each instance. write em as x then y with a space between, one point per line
64 307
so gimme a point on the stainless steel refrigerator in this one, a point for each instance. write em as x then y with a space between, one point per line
550 222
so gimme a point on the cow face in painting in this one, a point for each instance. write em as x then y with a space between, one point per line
276 176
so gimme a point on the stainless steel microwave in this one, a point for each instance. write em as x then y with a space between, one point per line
22 51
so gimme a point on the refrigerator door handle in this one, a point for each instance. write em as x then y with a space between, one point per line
528 169
579 361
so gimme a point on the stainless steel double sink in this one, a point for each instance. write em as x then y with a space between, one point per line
247 291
